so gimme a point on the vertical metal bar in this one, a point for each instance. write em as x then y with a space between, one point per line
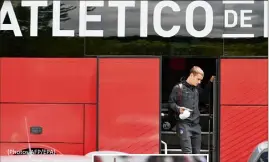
160 104
209 125
209 136
215 109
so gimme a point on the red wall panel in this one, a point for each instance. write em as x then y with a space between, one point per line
58 148
60 122
48 80
242 129
244 81
129 103
90 139
244 99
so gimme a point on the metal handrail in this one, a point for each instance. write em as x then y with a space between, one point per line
165 114
174 132
165 147
180 150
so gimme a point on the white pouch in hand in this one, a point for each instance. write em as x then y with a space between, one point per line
185 114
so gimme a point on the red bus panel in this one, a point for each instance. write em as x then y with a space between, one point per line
243 114
48 80
129 104
244 81
90 128
59 122
53 148
242 129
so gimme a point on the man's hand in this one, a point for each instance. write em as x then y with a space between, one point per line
184 113
212 78
181 110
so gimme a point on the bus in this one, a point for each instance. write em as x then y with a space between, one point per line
119 103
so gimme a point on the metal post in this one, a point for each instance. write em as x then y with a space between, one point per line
215 110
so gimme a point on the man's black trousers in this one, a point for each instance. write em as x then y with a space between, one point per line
190 137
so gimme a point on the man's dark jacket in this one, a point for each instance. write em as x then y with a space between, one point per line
186 95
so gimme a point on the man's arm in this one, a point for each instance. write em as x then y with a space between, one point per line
174 98
204 93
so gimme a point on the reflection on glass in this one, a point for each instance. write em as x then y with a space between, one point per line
256 46
44 45
183 43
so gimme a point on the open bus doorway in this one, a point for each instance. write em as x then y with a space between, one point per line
175 69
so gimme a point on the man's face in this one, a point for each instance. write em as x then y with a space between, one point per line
197 79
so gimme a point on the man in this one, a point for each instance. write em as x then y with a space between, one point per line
184 101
